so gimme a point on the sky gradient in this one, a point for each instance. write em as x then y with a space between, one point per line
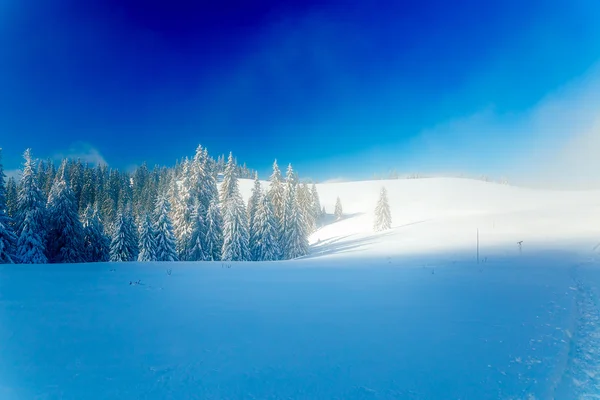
337 89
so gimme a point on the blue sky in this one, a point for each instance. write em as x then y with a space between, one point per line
337 89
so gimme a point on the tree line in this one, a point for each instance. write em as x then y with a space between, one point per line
81 213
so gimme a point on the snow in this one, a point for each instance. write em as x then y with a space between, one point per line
406 313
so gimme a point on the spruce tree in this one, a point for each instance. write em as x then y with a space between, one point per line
214 232
88 190
182 211
265 245
383 216
289 202
65 231
306 208
147 240
229 187
236 237
276 194
317 212
210 192
124 243
296 237
30 216
95 241
339 213
236 240
165 239
199 177
197 243
253 203
12 199
8 238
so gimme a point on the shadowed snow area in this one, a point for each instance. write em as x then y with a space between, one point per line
402 314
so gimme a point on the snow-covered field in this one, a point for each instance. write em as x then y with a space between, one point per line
403 314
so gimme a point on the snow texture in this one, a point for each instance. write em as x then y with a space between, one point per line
407 313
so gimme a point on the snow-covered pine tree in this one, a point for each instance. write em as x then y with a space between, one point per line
236 240
229 187
197 244
383 216
236 237
147 240
214 232
30 216
64 236
276 194
339 213
124 243
209 190
296 237
12 199
289 197
317 212
95 241
8 238
165 239
88 190
265 246
182 210
306 208
253 204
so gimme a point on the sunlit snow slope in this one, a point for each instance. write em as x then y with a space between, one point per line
403 314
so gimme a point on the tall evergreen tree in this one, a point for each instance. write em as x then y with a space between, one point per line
339 212
207 180
317 212
65 231
229 187
253 204
265 244
197 244
95 241
75 182
276 194
147 240
182 211
50 174
30 216
165 238
236 240
88 189
305 204
289 202
214 232
295 234
8 238
236 237
12 199
383 216
124 243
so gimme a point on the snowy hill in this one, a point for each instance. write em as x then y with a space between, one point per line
444 214
402 314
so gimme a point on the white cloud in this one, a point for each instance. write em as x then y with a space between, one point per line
83 151
13 173
555 144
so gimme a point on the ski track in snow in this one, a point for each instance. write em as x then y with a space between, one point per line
581 379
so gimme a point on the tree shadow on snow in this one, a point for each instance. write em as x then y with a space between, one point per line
329 219
342 244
